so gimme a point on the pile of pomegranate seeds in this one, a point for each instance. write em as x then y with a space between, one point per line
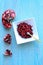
8 53
23 28
7 17
7 39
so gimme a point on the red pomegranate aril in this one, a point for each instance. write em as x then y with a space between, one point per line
23 28
13 15
6 24
7 17
7 39
8 53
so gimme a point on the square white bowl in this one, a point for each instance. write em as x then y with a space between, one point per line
21 40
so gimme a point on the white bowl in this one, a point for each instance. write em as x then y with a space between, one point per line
21 40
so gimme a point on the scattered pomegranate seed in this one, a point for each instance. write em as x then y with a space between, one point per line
6 24
7 39
7 17
8 53
23 28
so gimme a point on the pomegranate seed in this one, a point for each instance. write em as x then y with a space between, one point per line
23 28
8 53
7 39
7 17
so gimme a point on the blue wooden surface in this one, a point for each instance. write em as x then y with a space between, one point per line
29 53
